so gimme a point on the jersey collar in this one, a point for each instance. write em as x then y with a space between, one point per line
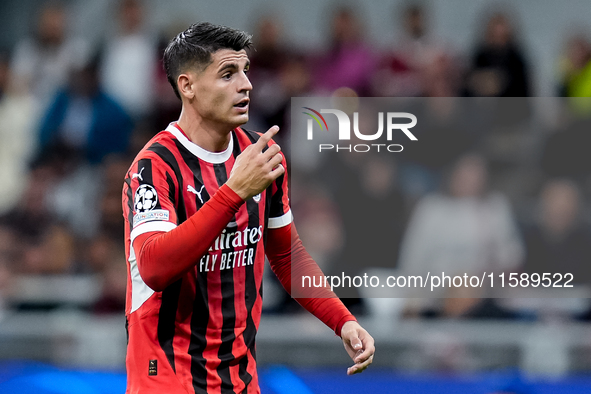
205 155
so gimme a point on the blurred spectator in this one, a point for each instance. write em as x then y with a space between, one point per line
128 71
17 111
575 75
442 77
5 277
559 242
564 152
51 253
111 219
320 225
499 67
57 220
84 123
8 247
99 251
467 230
349 61
41 63
112 298
8 256
268 60
88 199
368 190
81 128
369 206
416 65
74 199
43 245
145 129
575 68
443 128
167 105
293 80
269 47
30 217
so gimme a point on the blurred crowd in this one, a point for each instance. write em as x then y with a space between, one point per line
73 115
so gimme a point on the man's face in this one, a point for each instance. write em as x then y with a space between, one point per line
222 89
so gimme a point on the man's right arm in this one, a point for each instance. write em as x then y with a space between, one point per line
164 257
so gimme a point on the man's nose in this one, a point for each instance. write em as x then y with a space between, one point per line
245 85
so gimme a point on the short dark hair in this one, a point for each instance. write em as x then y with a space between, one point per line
194 47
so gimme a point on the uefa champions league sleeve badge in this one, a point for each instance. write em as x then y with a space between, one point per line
146 199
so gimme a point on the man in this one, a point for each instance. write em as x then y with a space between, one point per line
204 201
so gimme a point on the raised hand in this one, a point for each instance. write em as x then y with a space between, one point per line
254 170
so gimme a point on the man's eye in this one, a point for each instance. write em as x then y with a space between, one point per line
226 76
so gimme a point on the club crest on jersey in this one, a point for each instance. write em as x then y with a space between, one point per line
257 198
146 199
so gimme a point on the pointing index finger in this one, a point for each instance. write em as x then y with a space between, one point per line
265 138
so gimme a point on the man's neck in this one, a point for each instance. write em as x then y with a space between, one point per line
213 138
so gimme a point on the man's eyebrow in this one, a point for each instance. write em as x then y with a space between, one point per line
226 66
233 66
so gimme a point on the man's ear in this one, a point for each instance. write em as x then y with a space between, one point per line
186 85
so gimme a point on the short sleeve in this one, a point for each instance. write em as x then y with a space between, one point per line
149 198
280 212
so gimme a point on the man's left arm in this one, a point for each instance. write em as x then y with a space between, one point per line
288 257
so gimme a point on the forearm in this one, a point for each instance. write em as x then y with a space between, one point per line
289 258
164 257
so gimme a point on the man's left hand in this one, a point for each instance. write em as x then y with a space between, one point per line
359 344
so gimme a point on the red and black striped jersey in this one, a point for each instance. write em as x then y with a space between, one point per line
198 334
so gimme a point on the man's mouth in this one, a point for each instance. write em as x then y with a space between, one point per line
242 103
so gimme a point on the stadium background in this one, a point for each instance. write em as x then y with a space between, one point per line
79 100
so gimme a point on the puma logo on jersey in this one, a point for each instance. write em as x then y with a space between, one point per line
198 193
153 368
138 175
